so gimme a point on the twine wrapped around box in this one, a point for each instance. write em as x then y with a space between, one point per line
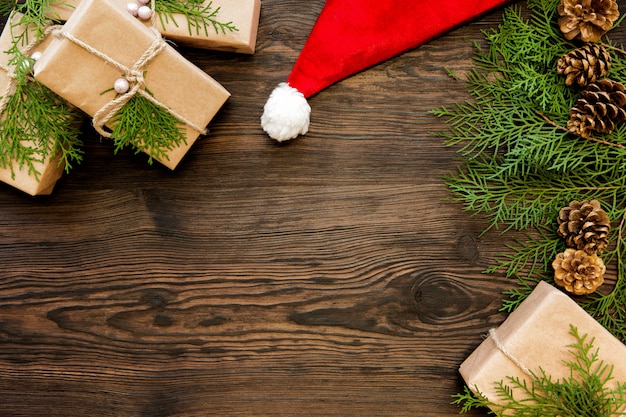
101 43
536 335
135 76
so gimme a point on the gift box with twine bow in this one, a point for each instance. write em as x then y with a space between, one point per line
537 336
101 45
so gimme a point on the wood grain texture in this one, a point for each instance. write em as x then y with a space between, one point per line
326 277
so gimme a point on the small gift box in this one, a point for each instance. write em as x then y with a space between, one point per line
537 336
231 25
37 172
235 28
102 47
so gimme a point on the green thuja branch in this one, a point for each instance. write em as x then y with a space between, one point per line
201 16
584 393
35 14
522 200
147 127
37 125
520 166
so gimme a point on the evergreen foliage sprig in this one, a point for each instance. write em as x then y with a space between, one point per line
200 17
584 393
35 14
146 127
36 125
519 167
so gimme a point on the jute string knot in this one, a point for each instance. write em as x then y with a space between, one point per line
496 340
135 77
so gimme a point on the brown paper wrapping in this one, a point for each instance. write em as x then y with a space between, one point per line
81 77
244 14
49 170
537 335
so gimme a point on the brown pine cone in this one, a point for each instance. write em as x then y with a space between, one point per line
600 108
584 65
585 226
578 272
587 20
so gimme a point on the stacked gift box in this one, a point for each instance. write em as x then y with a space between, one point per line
103 56
40 175
234 30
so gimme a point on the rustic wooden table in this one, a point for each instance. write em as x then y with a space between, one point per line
327 276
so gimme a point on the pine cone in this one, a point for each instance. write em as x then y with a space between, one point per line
600 108
584 65
578 272
587 20
585 226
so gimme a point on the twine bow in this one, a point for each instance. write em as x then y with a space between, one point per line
135 77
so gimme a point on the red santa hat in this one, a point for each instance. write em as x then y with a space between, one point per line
352 35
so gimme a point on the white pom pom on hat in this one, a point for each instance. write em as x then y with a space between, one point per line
286 113
350 36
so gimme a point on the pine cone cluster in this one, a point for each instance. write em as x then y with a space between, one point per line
587 20
578 272
585 227
601 106
584 65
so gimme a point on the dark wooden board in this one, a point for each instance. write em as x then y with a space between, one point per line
327 276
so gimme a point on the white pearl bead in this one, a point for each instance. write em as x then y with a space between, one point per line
132 8
36 55
121 86
144 13
143 2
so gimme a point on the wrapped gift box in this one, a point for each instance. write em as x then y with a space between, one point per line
19 177
537 335
86 80
244 14
50 169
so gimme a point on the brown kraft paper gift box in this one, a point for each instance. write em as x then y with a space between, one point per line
86 80
50 170
244 14
537 335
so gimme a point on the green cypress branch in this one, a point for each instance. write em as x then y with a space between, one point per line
146 127
37 125
200 17
521 166
35 14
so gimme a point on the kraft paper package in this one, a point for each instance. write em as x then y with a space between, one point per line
243 14
77 65
537 335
